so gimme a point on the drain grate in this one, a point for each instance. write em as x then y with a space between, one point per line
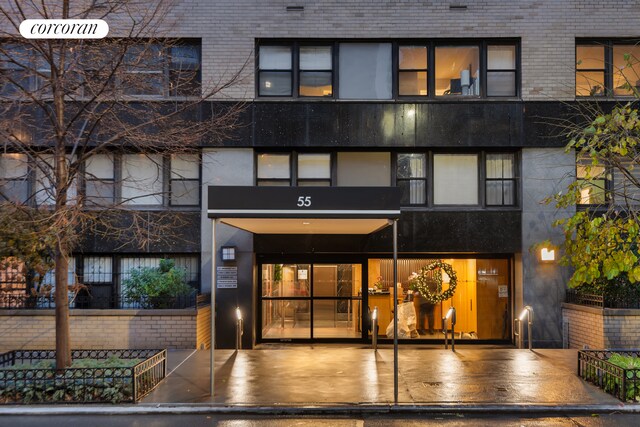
502 389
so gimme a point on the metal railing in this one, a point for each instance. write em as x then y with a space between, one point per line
374 328
623 298
596 367
450 316
31 302
527 312
26 377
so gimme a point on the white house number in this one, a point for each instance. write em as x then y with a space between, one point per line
304 201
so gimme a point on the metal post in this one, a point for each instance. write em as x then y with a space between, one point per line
374 328
213 305
451 317
445 332
395 312
239 329
529 326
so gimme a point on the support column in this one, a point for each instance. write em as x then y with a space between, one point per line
214 256
395 311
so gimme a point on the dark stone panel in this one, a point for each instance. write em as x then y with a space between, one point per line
177 232
496 232
376 125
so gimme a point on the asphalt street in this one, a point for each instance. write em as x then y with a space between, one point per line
446 420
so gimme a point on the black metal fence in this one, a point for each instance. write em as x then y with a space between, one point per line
24 380
90 301
598 367
627 298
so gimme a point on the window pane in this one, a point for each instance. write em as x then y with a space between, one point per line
413 192
590 57
99 192
589 83
315 83
412 166
273 166
185 166
364 169
99 166
494 192
185 58
413 57
45 190
501 83
16 191
455 179
142 179
97 270
593 192
626 71
274 83
315 58
365 70
275 57
412 83
501 57
584 170
457 70
500 165
508 192
13 165
185 192
314 166
273 183
314 183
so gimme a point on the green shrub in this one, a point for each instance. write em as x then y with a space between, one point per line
157 287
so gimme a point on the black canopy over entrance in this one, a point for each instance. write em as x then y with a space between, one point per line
305 210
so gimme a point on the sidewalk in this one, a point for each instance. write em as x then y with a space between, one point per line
345 380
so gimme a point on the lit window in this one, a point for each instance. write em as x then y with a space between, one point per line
316 73
626 69
457 70
590 70
314 170
412 70
592 182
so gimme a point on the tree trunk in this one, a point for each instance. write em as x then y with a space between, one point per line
63 343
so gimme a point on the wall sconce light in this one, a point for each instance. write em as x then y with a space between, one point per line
547 255
228 253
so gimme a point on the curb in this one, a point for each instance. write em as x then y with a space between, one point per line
319 410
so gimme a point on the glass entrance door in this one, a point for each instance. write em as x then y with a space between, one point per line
306 301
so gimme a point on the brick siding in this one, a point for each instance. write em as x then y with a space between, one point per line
601 328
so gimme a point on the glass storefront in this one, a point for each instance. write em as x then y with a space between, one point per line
304 301
482 298
325 300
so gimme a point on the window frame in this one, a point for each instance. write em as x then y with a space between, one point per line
294 179
608 185
430 44
171 180
513 180
86 179
291 70
425 179
296 65
609 71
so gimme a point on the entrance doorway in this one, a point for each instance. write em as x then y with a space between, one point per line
309 301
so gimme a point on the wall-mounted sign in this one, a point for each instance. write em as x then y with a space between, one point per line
503 291
303 274
226 277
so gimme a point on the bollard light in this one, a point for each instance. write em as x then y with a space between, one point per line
374 315
238 313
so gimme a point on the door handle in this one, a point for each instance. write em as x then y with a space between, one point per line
470 305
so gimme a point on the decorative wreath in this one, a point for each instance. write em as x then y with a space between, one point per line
421 282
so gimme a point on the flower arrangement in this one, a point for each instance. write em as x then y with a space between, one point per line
378 283
421 282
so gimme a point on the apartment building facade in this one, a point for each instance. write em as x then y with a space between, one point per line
450 103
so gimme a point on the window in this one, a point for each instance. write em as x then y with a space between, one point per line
592 182
15 70
184 70
500 182
607 68
411 177
274 170
365 71
364 169
501 70
275 71
316 75
387 70
185 180
590 70
455 179
314 170
412 71
45 176
457 70
142 179
144 70
14 182
97 269
100 180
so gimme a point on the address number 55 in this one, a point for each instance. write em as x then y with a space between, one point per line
304 201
